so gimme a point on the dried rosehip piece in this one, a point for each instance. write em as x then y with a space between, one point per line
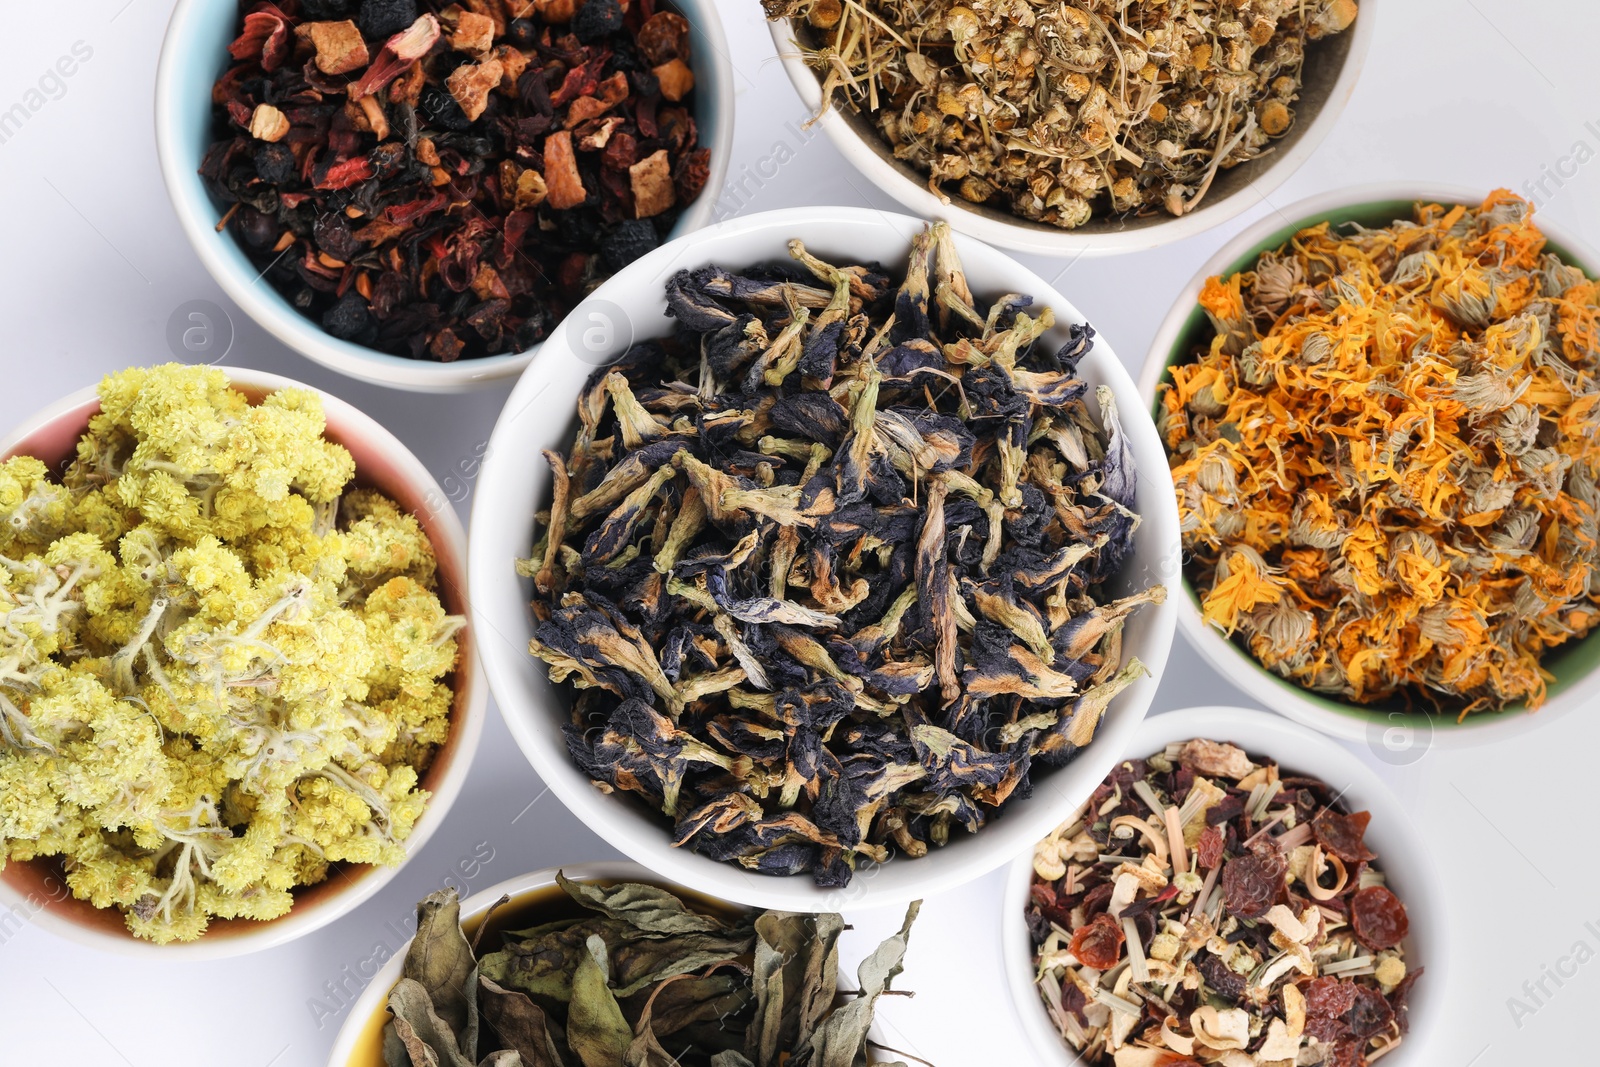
1098 944
1379 918
444 182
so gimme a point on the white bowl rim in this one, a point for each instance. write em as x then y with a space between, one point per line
376 994
1261 732
497 599
1233 662
1022 237
450 538
196 216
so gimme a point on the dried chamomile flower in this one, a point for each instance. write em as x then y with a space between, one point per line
1062 113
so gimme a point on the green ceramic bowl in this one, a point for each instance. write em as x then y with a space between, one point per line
1397 733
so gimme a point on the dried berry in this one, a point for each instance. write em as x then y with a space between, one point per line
1223 980
1343 835
1098 944
385 18
627 241
1379 919
1370 1014
523 33
438 107
596 18
1328 998
1252 883
349 319
275 163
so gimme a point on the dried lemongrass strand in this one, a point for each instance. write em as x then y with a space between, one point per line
1061 113
1386 457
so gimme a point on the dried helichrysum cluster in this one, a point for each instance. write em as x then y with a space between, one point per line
446 181
1386 457
614 975
223 672
1204 907
831 564
1062 113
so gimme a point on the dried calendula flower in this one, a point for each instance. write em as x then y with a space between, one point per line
1234 953
1063 113
829 566
1386 460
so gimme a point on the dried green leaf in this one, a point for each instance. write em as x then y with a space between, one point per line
644 907
596 1028
522 1025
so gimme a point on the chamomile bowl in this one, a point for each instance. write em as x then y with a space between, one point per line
36 891
1397 735
1402 854
360 1041
1331 70
514 486
195 53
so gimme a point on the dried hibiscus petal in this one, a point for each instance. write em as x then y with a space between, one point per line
1378 917
1098 943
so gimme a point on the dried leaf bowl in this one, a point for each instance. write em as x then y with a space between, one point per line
1396 733
1402 853
1331 72
360 1041
514 486
35 890
195 53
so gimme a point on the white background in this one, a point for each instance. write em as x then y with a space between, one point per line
1480 93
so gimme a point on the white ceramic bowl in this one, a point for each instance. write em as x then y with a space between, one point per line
36 889
1332 69
1395 736
1402 853
360 1041
515 484
195 53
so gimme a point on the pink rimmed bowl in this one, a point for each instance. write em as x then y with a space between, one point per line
35 891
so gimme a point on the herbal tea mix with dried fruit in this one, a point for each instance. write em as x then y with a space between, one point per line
630 975
1062 113
1208 906
1386 459
830 567
447 181
226 670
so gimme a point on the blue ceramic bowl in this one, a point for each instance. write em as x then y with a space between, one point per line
195 55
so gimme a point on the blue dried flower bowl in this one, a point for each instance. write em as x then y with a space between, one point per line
1395 733
195 54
